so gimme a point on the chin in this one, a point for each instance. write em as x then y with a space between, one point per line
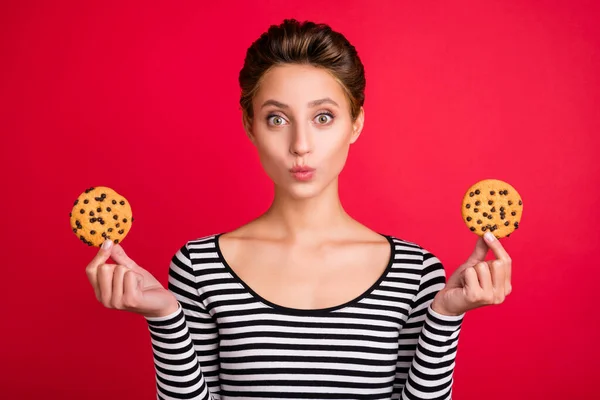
303 192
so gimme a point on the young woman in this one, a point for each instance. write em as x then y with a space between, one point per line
304 301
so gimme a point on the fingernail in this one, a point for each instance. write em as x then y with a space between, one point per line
489 237
107 244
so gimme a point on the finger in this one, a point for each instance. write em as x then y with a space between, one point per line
91 269
508 279
472 287
105 278
484 276
117 286
120 257
497 247
132 294
498 273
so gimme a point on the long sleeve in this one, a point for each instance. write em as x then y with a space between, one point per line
185 343
428 342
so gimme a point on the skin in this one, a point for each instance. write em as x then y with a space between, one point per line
305 251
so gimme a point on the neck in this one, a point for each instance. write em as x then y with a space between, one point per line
308 218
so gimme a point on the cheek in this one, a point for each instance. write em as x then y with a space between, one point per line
272 158
334 153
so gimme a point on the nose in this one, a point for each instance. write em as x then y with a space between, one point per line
301 142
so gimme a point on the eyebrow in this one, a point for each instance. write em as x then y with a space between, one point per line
311 104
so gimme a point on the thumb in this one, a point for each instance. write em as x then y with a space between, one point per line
479 253
101 257
120 257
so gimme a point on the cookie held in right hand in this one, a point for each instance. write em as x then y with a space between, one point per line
492 205
100 213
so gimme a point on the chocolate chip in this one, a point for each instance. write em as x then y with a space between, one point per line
468 206
104 234
98 198
99 209
513 213
82 211
502 216
90 244
490 216
485 214
516 225
74 230
506 192
92 232
506 223
484 228
476 209
125 220
116 241
490 202
108 209
508 235
70 214
470 194
91 213
477 203
76 202
479 222
122 203
114 202
121 231
115 217
117 225
472 229
492 192
469 218
92 220
510 203
501 209
131 219
103 195
520 203
477 191
493 209
86 201
110 229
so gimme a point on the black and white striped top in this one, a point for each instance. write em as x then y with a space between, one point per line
226 342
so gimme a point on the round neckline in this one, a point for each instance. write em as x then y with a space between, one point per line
308 311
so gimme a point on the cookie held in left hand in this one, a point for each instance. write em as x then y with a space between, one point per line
100 213
492 205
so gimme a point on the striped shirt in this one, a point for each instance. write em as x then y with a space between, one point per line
227 342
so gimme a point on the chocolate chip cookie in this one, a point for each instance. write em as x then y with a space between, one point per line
492 205
100 213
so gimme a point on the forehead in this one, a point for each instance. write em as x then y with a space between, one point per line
297 85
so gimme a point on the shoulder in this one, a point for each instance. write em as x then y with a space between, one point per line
197 249
406 251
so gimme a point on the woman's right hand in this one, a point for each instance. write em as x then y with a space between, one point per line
126 285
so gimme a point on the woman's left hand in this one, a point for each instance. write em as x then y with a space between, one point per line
477 282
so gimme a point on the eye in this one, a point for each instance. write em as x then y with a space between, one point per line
275 120
324 118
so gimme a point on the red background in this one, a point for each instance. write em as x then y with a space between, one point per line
144 99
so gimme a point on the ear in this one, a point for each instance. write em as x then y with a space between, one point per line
357 125
247 122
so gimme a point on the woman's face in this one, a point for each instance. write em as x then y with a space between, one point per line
302 120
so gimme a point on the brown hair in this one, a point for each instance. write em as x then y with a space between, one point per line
293 42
